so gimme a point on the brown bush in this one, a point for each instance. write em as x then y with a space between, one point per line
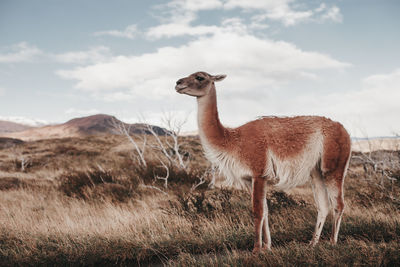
9 183
35 185
73 151
277 200
179 180
74 185
98 185
114 192
211 202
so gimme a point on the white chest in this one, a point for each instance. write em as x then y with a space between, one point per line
228 164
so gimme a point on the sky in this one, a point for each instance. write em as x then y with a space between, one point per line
335 58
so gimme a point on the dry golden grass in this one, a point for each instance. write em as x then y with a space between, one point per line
64 210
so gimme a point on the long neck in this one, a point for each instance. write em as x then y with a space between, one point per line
210 127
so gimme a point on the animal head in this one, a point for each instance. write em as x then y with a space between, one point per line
197 84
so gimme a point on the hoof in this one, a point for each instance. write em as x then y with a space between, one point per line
256 251
266 246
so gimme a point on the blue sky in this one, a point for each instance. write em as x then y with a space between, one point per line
64 59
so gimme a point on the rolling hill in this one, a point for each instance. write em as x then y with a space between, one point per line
11 127
84 126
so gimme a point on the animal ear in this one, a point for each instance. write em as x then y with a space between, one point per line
218 78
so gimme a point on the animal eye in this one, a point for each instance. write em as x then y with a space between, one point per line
199 78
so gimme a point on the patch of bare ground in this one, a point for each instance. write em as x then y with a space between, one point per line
88 201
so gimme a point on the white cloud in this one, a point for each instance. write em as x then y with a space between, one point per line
178 29
129 32
22 52
93 55
333 14
250 62
24 120
176 17
284 11
179 15
379 95
115 96
371 110
321 8
278 10
195 5
184 28
81 112
381 92
2 91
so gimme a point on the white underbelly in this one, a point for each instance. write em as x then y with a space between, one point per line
294 171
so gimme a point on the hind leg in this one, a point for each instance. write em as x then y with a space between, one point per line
322 202
265 230
335 192
334 164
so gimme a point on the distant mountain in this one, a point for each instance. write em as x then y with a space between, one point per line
102 123
11 127
91 125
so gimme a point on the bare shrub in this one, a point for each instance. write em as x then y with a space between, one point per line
34 185
99 184
9 183
278 200
380 170
69 150
113 192
74 185
212 202
6 142
122 129
162 158
153 174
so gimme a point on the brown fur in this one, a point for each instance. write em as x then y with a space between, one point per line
286 137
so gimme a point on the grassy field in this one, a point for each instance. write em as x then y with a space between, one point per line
87 201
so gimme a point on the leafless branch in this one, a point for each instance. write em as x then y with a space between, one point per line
160 146
213 170
21 160
171 142
378 167
154 188
169 145
122 129
203 178
24 162
165 178
174 127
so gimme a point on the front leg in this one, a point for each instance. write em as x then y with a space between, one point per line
259 209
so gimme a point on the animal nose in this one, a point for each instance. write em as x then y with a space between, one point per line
179 81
